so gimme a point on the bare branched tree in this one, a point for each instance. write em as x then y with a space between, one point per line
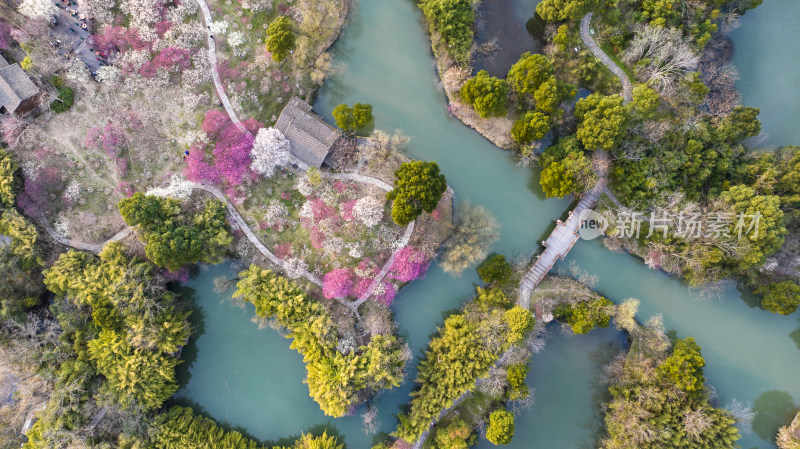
662 56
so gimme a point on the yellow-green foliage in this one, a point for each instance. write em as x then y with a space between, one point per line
465 348
334 379
139 325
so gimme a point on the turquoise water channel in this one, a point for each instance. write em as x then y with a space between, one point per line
248 377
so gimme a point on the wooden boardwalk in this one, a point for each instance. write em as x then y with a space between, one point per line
558 243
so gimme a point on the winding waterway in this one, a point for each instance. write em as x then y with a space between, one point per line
250 379
765 53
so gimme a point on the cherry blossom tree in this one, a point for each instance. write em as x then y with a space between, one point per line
270 150
337 284
409 264
37 9
369 210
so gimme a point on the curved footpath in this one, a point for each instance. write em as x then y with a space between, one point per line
564 236
627 88
212 59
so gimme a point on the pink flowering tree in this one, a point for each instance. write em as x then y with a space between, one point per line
5 36
117 39
40 192
337 284
409 264
230 159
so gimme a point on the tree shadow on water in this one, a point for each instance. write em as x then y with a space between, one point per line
773 409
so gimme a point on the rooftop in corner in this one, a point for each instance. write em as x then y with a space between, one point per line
15 86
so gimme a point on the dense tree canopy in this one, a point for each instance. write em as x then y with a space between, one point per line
21 262
645 101
780 297
530 72
565 169
601 121
759 222
453 20
334 379
495 269
501 427
464 349
172 238
280 38
418 186
352 119
487 94
665 408
139 325
559 10
585 316
529 127
8 179
684 366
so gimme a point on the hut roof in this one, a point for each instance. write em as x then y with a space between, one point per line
310 137
15 87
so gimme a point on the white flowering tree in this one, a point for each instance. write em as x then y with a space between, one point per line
270 150
369 210
36 9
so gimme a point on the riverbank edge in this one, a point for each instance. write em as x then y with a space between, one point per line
496 130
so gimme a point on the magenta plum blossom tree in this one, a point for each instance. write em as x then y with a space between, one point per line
5 36
270 150
337 284
409 264
369 210
198 169
41 192
117 39
231 154
214 122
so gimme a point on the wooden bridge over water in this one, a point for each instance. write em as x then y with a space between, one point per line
559 242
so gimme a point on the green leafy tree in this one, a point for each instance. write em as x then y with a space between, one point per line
741 123
487 94
495 269
21 262
418 186
335 380
457 435
516 374
780 297
65 100
548 96
137 326
8 179
280 38
501 427
561 38
684 367
352 119
529 127
560 10
519 322
585 316
173 239
453 20
758 243
601 121
530 72
645 101
565 169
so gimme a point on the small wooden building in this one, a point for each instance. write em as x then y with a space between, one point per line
310 137
18 94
